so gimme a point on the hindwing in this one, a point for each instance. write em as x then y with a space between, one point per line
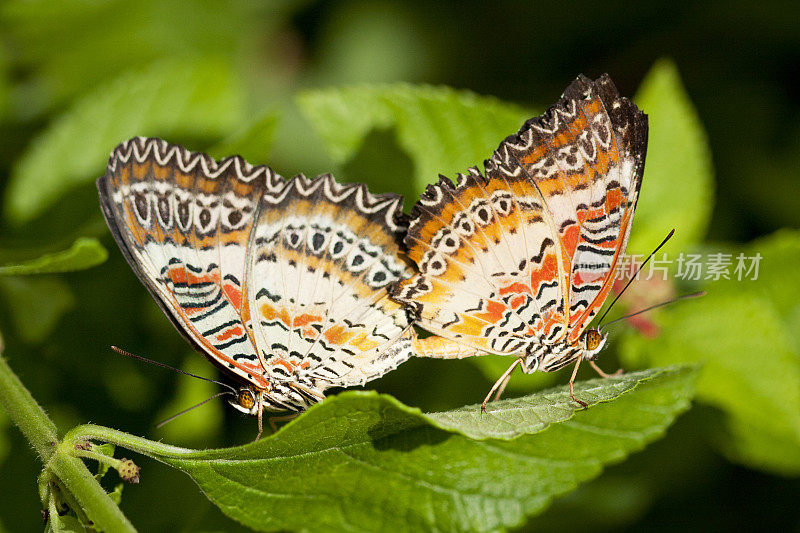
285 283
323 256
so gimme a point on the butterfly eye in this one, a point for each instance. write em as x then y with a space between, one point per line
245 399
593 342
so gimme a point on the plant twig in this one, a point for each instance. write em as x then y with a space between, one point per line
29 417
126 440
70 471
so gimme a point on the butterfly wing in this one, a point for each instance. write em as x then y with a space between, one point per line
586 156
526 255
490 271
182 221
323 257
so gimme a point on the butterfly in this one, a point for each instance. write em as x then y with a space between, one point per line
283 283
519 261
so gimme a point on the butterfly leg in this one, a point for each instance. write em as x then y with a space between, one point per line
441 348
260 415
572 380
604 374
500 384
311 393
501 389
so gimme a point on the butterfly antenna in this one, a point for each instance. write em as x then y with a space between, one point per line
178 370
679 298
668 237
195 406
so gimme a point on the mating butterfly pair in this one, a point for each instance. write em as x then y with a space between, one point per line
297 285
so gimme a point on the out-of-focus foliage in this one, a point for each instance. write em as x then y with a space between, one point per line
252 141
745 333
35 305
38 303
198 98
83 254
434 126
678 184
4 445
78 77
71 48
198 425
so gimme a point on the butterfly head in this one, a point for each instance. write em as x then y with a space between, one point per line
245 401
280 397
593 342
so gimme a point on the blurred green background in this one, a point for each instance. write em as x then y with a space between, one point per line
76 77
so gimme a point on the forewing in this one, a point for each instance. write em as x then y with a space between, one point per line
182 221
323 257
586 155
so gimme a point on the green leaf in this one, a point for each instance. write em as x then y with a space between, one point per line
84 253
65 524
116 494
744 332
372 42
443 131
251 142
38 303
192 98
365 461
106 449
678 183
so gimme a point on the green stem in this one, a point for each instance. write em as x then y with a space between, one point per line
92 498
71 472
26 413
126 440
